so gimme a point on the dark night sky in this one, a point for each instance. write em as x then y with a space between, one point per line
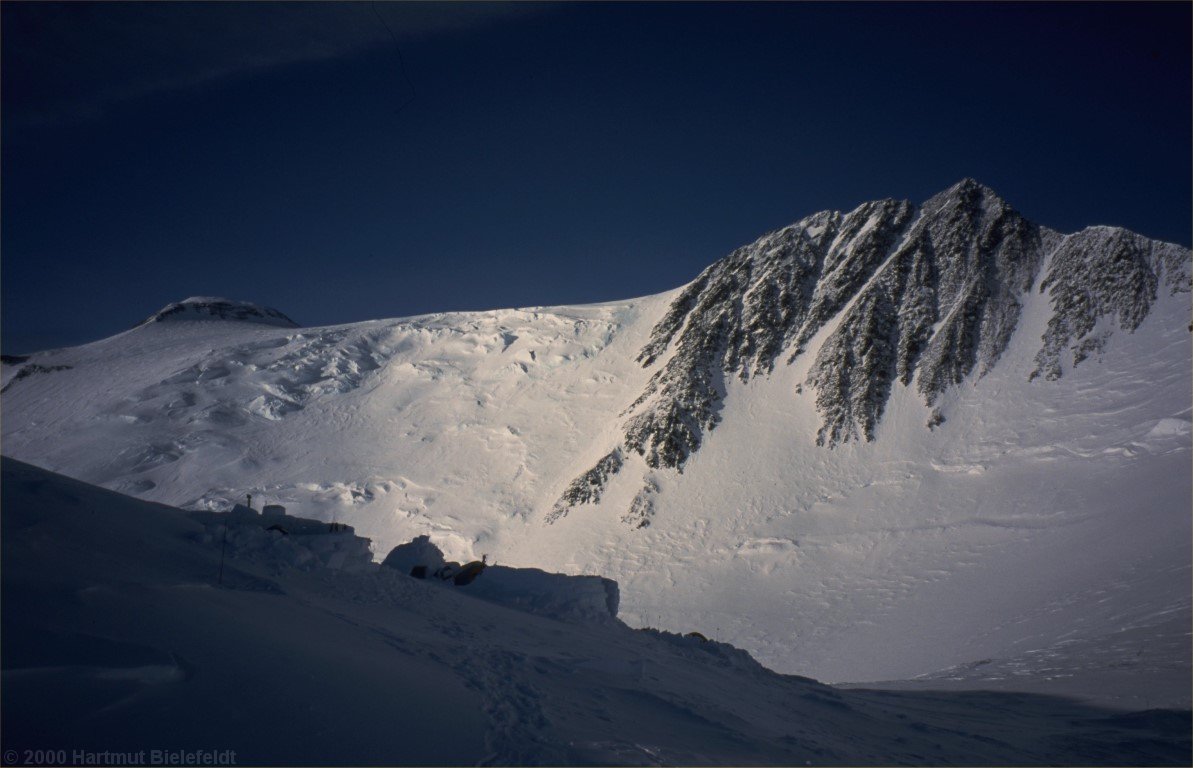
539 154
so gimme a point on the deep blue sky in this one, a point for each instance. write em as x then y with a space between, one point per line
539 154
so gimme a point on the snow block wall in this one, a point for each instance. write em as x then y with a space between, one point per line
285 541
568 598
583 599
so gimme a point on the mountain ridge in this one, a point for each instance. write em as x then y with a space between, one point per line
927 293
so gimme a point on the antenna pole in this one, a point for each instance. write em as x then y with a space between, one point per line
224 548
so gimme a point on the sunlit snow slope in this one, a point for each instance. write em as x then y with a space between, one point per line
1034 514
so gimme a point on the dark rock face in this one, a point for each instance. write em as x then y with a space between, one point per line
642 507
210 308
587 488
963 265
1107 273
930 294
744 311
31 369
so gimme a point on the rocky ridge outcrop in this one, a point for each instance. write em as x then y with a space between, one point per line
925 296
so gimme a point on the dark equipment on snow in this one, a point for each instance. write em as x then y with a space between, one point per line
468 573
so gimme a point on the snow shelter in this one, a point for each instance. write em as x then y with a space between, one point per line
419 552
422 559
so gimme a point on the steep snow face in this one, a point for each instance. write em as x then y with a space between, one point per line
671 442
215 308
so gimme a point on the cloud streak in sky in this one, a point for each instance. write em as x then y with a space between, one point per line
74 60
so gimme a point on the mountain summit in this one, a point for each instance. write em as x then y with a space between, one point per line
216 308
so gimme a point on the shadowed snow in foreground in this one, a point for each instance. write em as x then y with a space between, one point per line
118 637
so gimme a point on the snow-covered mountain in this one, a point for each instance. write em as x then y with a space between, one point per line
131 628
929 294
870 445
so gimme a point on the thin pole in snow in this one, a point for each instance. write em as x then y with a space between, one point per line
224 548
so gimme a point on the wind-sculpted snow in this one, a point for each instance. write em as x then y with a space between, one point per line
1099 278
930 294
282 374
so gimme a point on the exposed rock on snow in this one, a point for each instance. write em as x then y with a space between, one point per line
29 370
1100 278
744 311
945 303
215 308
642 507
586 489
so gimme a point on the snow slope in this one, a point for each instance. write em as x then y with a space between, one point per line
1035 513
119 637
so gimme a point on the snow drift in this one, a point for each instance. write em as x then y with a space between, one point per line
121 637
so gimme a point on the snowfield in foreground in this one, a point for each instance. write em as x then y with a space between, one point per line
1019 519
119 638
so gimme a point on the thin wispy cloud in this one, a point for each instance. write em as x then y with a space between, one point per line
74 60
